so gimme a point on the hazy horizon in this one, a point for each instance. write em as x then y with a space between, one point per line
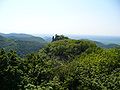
67 17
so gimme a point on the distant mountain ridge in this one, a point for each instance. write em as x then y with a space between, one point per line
107 45
23 37
22 43
2 38
25 43
102 39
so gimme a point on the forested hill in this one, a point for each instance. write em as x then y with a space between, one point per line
64 64
23 37
2 38
22 43
107 45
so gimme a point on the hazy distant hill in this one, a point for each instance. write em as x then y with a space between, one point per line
4 42
22 43
48 39
2 38
23 37
107 45
102 39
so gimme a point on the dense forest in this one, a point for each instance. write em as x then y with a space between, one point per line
63 64
21 43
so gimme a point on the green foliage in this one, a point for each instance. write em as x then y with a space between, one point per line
58 37
62 65
22 44
67 49
10 74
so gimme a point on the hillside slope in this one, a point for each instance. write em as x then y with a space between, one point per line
107 45
23 37
22 44
63 64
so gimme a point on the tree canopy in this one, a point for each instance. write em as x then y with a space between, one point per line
58 37
64 64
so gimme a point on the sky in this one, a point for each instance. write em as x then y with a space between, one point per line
87 17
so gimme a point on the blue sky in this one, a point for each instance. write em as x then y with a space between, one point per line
88 17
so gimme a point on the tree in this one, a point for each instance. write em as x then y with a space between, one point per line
10 74
58 37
